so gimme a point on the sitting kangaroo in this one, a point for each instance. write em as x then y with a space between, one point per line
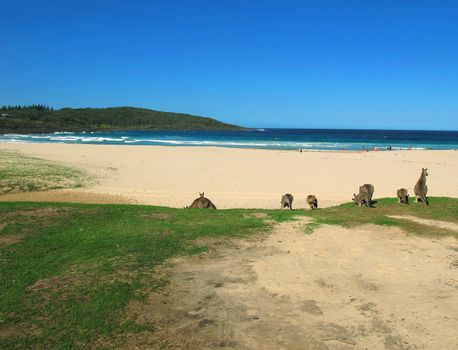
312 201
403 196
421 189
364 197
287 201
202 202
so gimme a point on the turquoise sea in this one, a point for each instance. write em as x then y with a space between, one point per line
288 139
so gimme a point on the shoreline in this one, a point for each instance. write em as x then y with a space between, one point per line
239 177
363 150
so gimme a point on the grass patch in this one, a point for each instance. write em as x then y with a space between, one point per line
77 266
21 173
440 208
312 226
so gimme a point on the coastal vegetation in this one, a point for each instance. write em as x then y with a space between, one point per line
22 173
44 119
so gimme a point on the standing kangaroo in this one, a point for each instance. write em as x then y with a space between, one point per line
421 189
287 201
312 201
364 197
403 196
202 202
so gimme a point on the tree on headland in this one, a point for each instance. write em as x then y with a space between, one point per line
38 107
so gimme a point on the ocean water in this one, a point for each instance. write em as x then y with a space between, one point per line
288 139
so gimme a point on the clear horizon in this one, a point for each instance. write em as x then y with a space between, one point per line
269 64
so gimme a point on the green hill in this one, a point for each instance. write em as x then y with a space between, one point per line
42 119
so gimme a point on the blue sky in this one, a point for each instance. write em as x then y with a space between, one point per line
329 64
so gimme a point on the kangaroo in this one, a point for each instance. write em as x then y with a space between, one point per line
360 199
312 201
287 201
369 189
420 188
364 197
202 202
403 196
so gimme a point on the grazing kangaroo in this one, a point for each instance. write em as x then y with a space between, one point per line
287 201
202 202
312 201
403 196
364 197
421 189
369 189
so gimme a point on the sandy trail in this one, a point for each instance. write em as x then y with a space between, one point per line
366 288
243 178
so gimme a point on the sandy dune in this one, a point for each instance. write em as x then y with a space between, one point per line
173 176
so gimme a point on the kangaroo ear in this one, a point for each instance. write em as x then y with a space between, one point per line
202 194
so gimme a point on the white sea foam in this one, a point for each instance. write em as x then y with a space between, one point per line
14 141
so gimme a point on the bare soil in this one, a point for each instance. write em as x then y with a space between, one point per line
368 287
10 239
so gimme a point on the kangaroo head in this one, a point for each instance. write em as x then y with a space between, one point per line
201 194
354 197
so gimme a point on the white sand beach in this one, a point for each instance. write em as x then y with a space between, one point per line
238 178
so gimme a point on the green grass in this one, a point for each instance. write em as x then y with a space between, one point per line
69 270
21 173
440 208
76 267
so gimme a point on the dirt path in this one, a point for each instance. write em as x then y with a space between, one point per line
435 223
365 288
